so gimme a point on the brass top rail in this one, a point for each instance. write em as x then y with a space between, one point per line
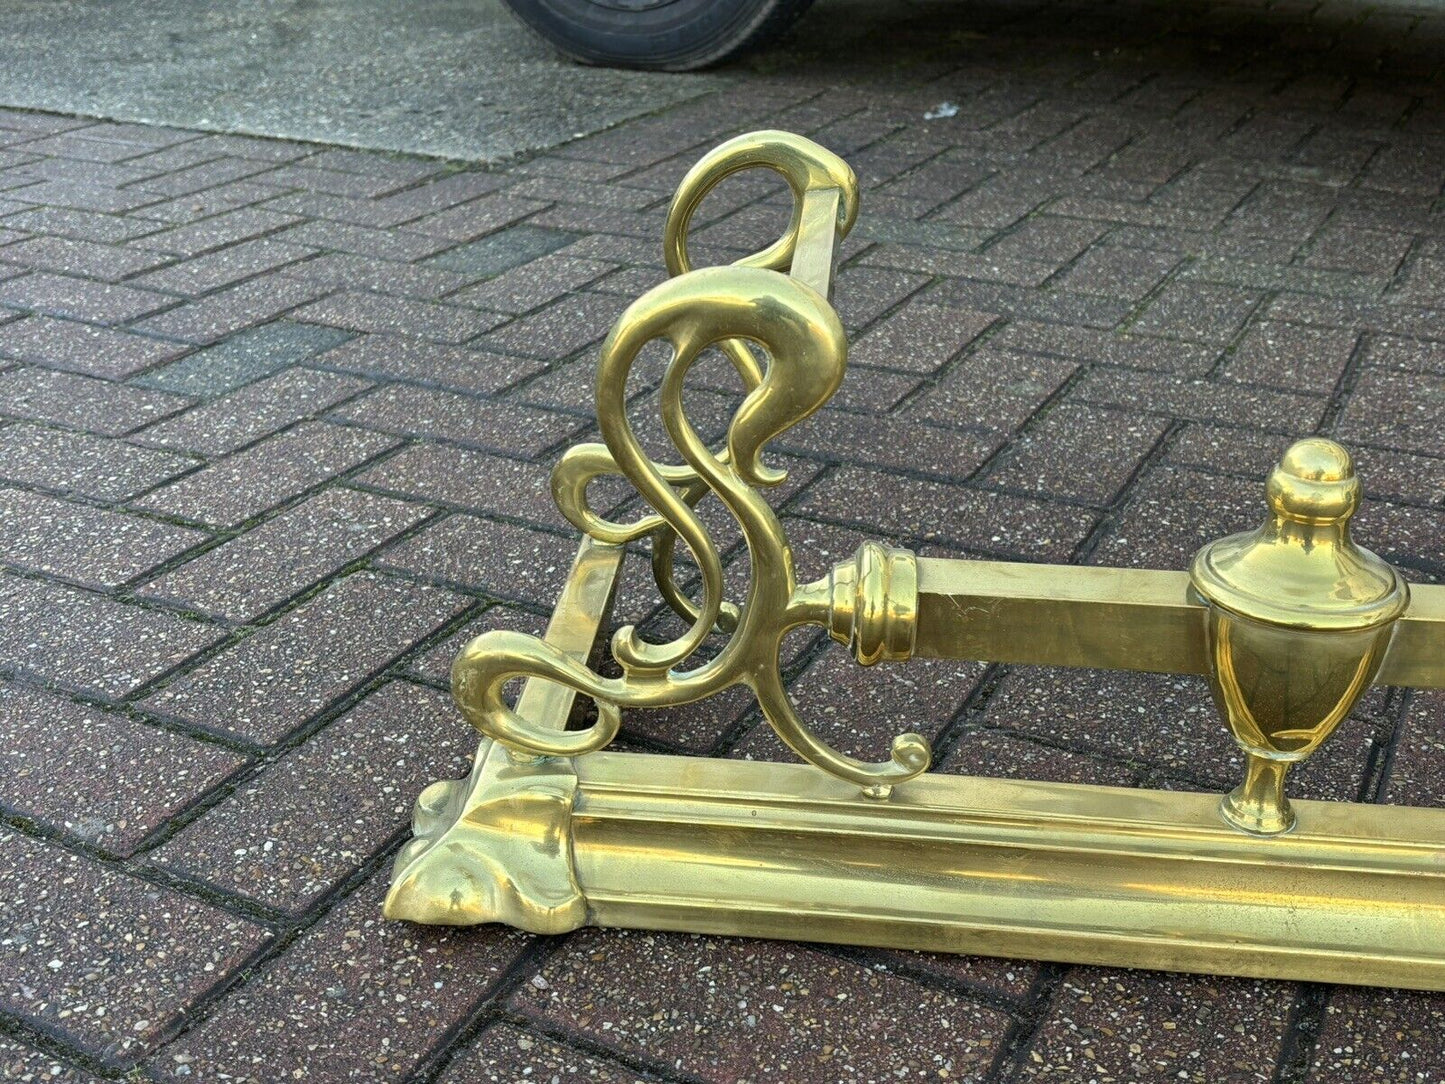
1115 619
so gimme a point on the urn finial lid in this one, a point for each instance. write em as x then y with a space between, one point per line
1302 569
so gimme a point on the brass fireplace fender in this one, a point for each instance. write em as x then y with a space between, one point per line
1290 624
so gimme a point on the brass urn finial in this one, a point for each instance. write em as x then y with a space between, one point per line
1299 620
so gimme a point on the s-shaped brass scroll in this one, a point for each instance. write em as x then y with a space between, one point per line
802 340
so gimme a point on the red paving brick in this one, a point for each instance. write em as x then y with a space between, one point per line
276 428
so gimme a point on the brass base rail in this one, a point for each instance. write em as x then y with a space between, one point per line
1290 623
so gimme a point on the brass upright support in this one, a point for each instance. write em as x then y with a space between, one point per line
1291 623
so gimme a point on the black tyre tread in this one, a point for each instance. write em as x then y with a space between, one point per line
768 23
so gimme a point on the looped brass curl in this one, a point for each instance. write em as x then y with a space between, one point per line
806 352
805 167
800 162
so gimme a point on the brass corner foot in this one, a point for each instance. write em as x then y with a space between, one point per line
495 847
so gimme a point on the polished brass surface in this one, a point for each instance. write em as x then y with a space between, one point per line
1055 871
1299 621
1290 623
1115 619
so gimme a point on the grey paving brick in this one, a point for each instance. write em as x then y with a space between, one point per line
202 274
1289 356
242 358
28 1065
1115 271
82 348
88 643
1047 238
307 821
919 338
334 181
1201 400
1056 306
1340 248
82 402
232 308
459 368
382 244
533 284
1198 312
1416 774
862 294
80 934
364 311
83 544
504 561
706 1008
992 389
276 679
226 228
505 427
988 522
86 148
1173 511
315 1010
1400 409
559 330
1110 347
468 221
81 257
343 270
245 484
1132 1025
1079 453
82 197
98 775
1393 352
505 1053
218 171
83 465
253 411
890 442
497 252
1371 1034
473 480
1002 268
255 571
79 299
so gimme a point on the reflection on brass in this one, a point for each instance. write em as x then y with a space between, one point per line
1290 623
1299 621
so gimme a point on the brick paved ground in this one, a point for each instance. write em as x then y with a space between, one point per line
275 424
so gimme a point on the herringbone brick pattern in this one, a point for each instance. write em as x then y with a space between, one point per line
275 426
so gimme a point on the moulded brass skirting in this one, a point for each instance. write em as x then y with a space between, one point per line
1290 623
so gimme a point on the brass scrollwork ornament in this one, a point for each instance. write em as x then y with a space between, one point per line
805 351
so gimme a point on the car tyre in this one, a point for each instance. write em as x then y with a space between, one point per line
663 35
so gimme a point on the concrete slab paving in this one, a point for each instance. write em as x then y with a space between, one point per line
455 78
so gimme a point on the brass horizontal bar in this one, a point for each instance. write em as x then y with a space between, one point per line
1081 874
1114 619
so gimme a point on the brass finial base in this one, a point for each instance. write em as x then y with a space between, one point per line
1258 805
